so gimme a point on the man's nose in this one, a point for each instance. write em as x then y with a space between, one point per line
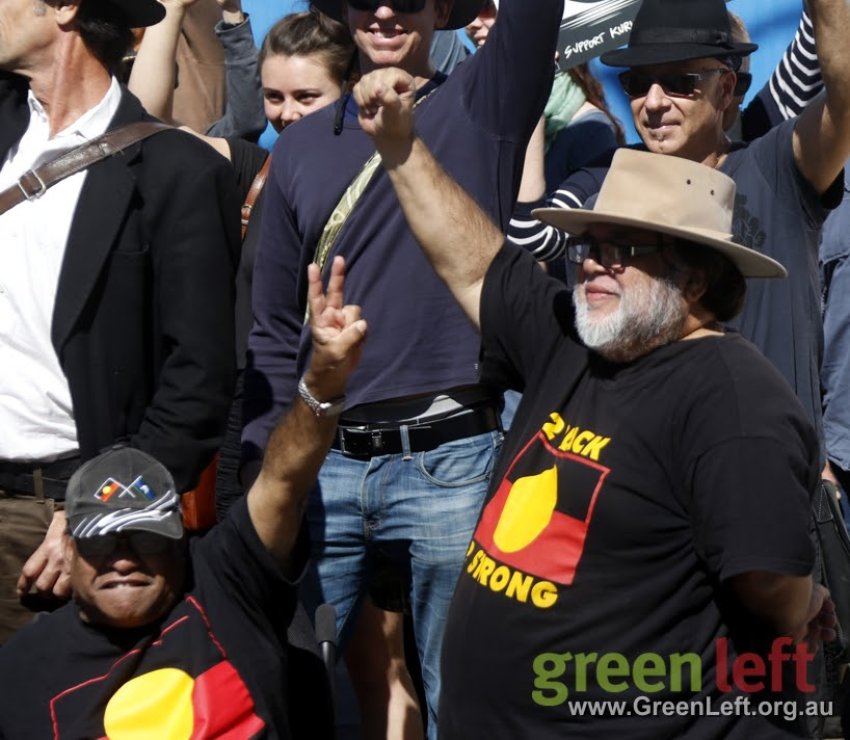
656 97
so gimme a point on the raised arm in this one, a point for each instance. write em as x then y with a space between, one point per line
458 238
300 441
243 107
154 73
822 134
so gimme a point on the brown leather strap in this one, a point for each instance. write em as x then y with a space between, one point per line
253 193
34 182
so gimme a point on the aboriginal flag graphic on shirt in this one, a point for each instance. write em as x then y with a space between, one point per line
538 519
179 685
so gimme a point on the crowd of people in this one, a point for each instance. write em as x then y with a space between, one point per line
540 415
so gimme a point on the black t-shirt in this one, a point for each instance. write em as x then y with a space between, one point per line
214 664
624 497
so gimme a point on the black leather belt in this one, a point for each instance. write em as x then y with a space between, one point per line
373 440
21 477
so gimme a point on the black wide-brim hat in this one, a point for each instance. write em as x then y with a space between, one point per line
140 13
463 11
676 31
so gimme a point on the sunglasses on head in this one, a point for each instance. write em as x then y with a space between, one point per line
611 255
142 543
636 84
400 6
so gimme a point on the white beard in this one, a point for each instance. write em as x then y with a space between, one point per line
650 313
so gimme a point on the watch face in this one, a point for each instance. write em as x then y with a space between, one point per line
331 408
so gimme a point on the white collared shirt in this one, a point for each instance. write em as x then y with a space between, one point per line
36 413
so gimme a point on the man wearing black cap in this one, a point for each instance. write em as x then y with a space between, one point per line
417 438
682 61
169 639
633 573
115 283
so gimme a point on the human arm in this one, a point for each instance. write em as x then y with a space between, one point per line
511 76
787 605
458 238
45 571
154 74
822 135
532 187
300 442
278 301
793 84
243 112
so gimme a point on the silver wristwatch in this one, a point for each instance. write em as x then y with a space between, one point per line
320 408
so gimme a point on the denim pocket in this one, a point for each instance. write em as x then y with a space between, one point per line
462 462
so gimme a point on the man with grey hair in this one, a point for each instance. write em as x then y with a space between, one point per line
630 549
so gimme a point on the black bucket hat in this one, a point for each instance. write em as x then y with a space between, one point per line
463 11
676 31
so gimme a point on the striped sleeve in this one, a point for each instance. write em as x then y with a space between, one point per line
797 78
546 243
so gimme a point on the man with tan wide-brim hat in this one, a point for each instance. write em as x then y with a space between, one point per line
646 528
680 73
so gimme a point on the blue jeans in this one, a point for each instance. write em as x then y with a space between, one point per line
419 509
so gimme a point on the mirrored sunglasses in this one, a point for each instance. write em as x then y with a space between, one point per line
636 84
400 6
608 254
142 543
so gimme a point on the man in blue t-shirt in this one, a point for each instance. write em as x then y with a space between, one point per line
407 474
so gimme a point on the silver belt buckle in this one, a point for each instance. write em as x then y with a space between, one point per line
377 440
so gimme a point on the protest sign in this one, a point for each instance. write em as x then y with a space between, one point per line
591 27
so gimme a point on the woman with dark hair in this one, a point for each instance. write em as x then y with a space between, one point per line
303 63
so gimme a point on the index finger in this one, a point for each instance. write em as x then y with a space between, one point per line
315 293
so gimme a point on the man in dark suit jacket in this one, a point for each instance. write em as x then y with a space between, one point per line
140 320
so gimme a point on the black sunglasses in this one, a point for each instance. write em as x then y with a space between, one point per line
142 543
610 255
637 84
400 6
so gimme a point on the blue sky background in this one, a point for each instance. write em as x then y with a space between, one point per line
772 25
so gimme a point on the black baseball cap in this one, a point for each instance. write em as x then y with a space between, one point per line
123 489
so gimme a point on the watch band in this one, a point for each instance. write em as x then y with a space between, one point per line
321 409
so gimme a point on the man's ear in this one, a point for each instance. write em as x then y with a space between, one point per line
65 11
727 90
442 11
695 285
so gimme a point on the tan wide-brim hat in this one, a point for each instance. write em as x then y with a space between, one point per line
669 195
463 11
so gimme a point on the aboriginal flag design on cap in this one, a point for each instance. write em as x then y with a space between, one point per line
123 489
